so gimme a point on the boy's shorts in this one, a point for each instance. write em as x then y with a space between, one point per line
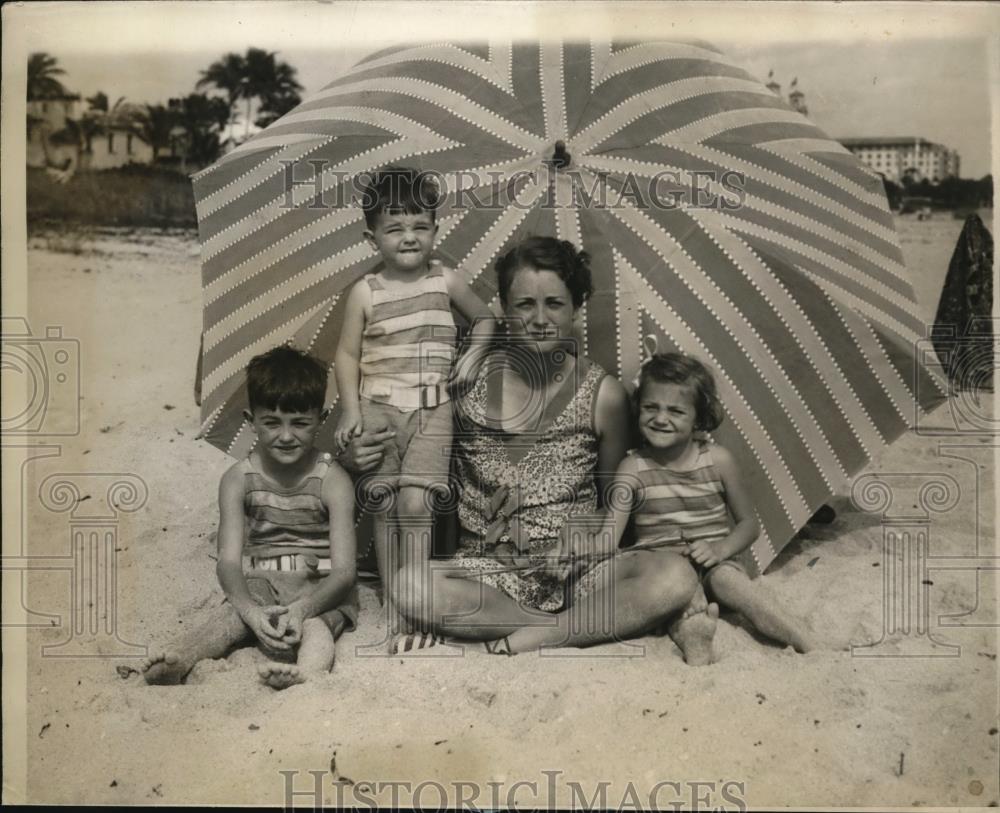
284 587
420 454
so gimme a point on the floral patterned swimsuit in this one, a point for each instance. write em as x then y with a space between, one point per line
518 490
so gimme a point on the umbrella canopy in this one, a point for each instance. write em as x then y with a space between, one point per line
719 221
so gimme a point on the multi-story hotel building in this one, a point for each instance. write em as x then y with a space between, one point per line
905 156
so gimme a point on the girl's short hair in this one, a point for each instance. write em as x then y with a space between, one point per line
287 379
675 368
547 254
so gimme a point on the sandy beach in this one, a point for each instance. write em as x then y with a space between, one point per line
825 729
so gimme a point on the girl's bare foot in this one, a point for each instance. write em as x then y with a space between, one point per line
694 630
281 675
165 669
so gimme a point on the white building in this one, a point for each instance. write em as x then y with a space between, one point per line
905 157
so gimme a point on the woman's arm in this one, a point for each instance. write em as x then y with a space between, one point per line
611 423
483 327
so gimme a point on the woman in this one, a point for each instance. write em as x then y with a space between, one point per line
537 437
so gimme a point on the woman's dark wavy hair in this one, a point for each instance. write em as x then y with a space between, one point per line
548 254
399 190
674 368
287 379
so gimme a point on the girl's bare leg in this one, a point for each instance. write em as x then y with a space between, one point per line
636 592
734 589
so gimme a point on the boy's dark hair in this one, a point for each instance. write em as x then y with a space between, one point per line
287 379
674 368
548 254
399 190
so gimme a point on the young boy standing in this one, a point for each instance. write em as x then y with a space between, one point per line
395 357
287 509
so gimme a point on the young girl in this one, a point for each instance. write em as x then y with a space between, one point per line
689 497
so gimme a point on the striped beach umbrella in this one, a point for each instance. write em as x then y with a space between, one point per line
719 221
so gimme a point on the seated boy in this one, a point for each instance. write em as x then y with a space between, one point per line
290 510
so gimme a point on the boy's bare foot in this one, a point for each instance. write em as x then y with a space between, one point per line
165 669
694 630
281 675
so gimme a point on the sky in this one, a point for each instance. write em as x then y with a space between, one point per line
867 70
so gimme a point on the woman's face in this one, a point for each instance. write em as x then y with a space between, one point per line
543 304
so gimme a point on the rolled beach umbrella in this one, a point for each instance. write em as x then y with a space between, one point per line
720 222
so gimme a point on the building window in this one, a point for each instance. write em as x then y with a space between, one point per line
128 143
45 107
111 142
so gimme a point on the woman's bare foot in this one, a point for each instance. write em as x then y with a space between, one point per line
165 669
281 675
694 630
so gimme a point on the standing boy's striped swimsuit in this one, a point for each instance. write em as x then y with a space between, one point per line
668 504
407 352
408 345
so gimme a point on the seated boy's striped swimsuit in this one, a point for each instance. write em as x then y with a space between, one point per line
285 525
288 540
669 504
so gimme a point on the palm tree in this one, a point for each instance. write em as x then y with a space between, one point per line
228 75
257 75
42 72
156 126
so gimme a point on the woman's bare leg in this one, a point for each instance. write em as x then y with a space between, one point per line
436 597
637 591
